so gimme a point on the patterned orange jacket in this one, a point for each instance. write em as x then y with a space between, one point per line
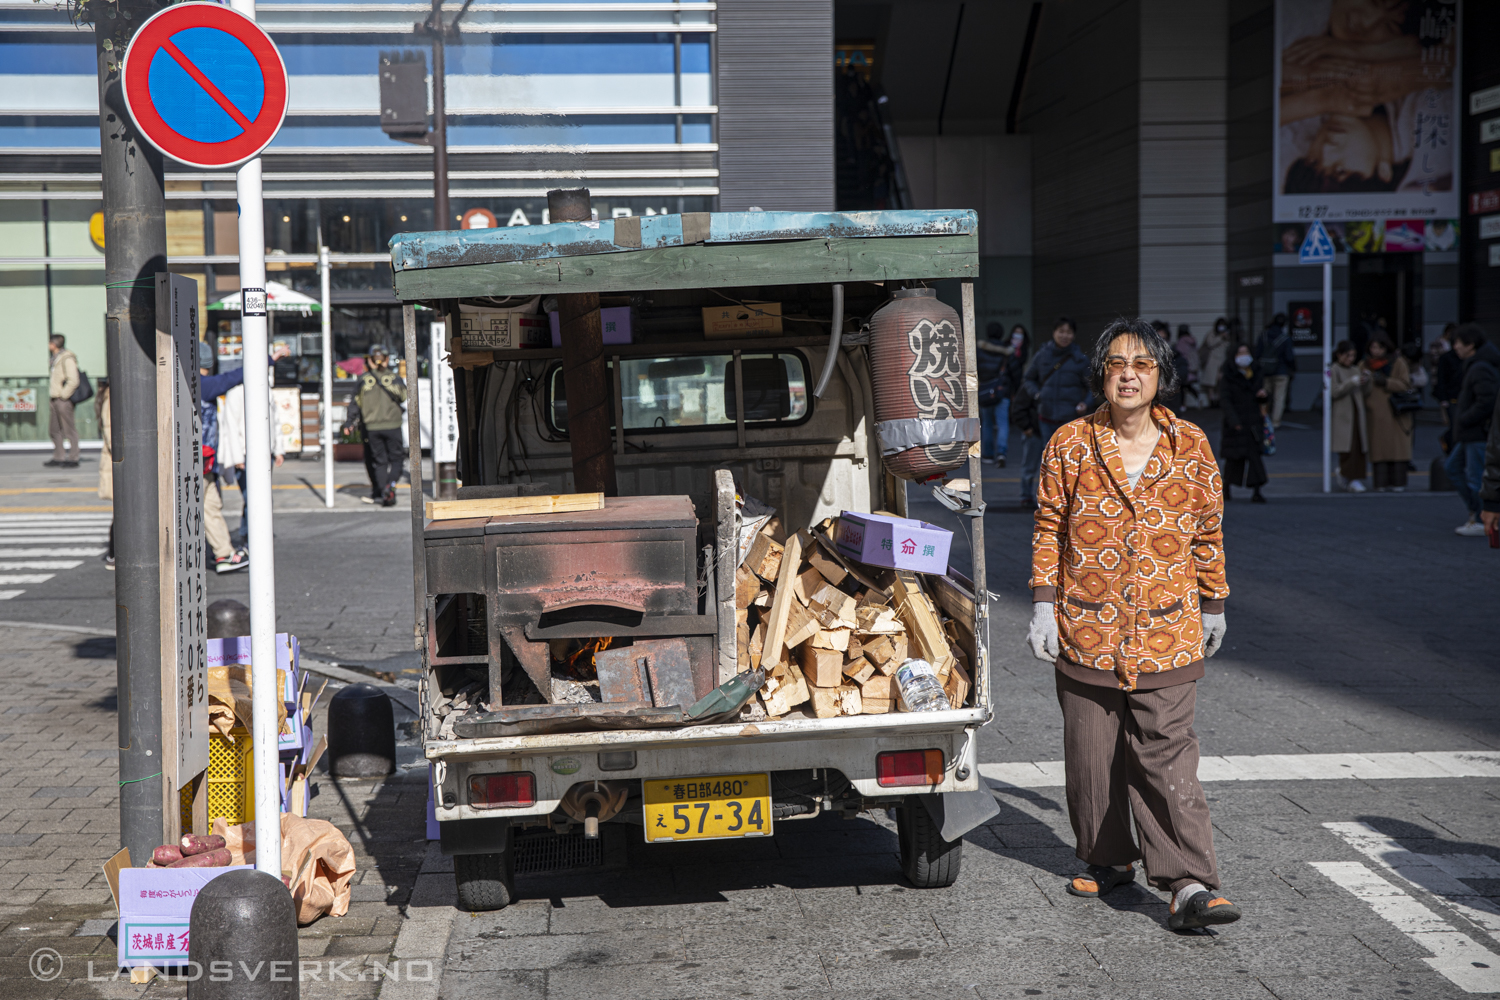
1129 571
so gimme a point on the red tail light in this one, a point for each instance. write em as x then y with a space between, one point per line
502 791
899 768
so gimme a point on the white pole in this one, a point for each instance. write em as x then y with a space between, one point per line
264 693
435 380
324 269
1327 377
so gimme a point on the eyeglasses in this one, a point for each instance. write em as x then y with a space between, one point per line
1142 366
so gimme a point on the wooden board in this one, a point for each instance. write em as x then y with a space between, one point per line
801 262
448 510
922 624
781 605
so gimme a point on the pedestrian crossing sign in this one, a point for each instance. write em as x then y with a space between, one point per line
1316 248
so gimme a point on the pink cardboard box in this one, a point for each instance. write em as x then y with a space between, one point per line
155 904
895 542
614 321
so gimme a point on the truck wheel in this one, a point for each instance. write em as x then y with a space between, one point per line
929 861
485 881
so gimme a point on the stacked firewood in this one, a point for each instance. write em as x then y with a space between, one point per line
830 633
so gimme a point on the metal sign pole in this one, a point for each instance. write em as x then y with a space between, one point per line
323 268
1328 377
264 692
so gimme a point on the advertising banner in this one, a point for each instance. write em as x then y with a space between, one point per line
1367 116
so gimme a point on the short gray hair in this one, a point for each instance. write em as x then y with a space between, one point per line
1154 344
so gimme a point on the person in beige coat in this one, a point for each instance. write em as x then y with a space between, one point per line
1390 434
1350 429
106 465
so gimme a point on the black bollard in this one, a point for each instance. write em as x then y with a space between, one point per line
228 618
361 733
244 939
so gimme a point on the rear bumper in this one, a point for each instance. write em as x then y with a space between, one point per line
768 746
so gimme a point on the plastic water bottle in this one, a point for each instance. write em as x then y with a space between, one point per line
920 689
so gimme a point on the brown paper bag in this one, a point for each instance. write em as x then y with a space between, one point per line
317 862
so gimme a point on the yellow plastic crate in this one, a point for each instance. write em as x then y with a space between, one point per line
231 778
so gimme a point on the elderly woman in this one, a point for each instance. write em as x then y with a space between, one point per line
1128 589
1390 432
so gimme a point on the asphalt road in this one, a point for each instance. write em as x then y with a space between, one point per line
1358 625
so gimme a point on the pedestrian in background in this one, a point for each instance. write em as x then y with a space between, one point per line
1390 432
1447 379
226 558
1242 396
1187 346
378 399
1350 431
233 447
1471 413
1489 492
1057 383
1278 363
999 367
1211 357
106 487
63 382
1129 635
1173 400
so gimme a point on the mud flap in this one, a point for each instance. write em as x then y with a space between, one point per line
956 813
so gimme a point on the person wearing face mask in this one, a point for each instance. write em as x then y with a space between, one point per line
1242 395
1211 355
1055 391
1128 590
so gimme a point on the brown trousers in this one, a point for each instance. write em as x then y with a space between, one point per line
1135 753
61 429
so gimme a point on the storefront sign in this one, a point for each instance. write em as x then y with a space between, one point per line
17 400
1489 130
1489 227
1484 100
1484 201
1389 160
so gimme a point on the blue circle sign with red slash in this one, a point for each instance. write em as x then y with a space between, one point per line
205 85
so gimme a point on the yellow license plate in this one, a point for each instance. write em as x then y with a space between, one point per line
707 808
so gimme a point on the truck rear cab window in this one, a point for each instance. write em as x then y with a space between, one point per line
698 391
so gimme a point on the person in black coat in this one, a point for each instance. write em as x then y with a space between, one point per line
1242 393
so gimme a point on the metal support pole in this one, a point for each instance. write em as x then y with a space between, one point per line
1328 377
981 676
442 214
135 248
324 269
253 327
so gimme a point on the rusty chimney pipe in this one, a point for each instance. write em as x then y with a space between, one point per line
585 376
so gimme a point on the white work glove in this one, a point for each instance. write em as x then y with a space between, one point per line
1042 637
1213 634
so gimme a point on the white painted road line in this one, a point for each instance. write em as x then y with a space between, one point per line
6 595
1287 767
42 564
14 578
1439 874
1460 959
30 553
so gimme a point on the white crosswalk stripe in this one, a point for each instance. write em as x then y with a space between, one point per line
42 542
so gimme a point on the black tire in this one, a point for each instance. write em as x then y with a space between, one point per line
485 881
927 860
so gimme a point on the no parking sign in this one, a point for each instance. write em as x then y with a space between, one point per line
205 85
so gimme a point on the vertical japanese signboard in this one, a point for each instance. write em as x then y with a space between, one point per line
184 670
444 405
1367 110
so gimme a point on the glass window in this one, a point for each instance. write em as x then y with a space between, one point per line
698 390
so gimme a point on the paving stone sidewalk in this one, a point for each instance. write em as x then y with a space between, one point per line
59 823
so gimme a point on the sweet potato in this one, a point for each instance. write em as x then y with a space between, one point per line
209 859
166 854
193 843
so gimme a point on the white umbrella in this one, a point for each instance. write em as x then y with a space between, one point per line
279 298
